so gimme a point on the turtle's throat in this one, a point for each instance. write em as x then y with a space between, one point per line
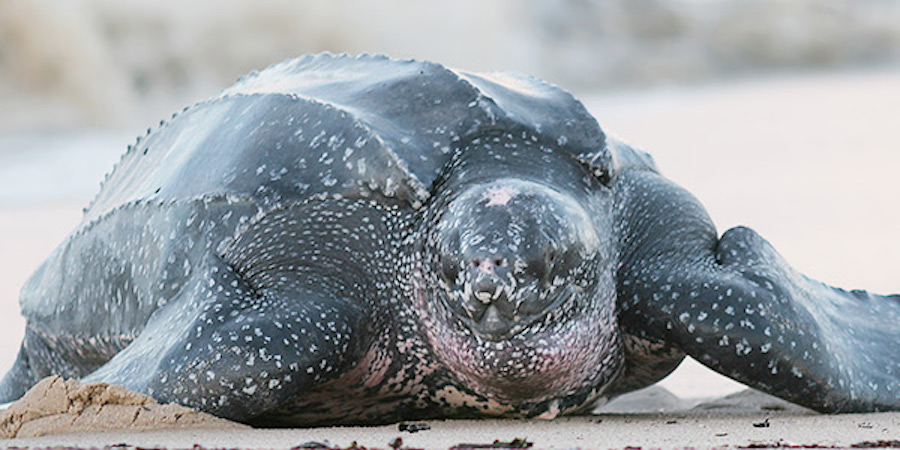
550 358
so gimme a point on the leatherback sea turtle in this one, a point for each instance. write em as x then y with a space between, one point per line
346 239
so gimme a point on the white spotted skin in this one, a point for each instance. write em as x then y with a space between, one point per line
353 240
735 305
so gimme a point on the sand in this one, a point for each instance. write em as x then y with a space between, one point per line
734 422
808 161
57 406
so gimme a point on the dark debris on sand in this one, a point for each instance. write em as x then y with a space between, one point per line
413 427
864 444
515 443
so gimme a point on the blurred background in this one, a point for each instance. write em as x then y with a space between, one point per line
67 63
778 114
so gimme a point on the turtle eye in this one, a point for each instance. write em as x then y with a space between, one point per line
562 262
449 270
540 267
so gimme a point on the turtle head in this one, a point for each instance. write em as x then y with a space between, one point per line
521 296
511 251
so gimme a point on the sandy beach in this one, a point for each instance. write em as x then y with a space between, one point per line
616 431
808 161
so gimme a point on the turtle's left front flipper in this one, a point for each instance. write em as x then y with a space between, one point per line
842 348
735 305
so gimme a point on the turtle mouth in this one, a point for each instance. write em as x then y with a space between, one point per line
491 316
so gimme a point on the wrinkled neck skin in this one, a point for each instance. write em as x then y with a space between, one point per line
541 338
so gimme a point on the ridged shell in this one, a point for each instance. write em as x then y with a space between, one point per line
340 125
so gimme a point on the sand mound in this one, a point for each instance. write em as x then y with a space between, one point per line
55 406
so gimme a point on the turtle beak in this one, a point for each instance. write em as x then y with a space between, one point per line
493 325
492 311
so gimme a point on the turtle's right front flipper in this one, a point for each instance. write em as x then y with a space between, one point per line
225 348
270 317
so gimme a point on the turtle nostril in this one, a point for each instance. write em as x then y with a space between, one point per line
488 265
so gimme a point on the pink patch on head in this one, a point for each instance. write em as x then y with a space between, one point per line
499 196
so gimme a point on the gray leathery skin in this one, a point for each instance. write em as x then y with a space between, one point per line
356 240
735 305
